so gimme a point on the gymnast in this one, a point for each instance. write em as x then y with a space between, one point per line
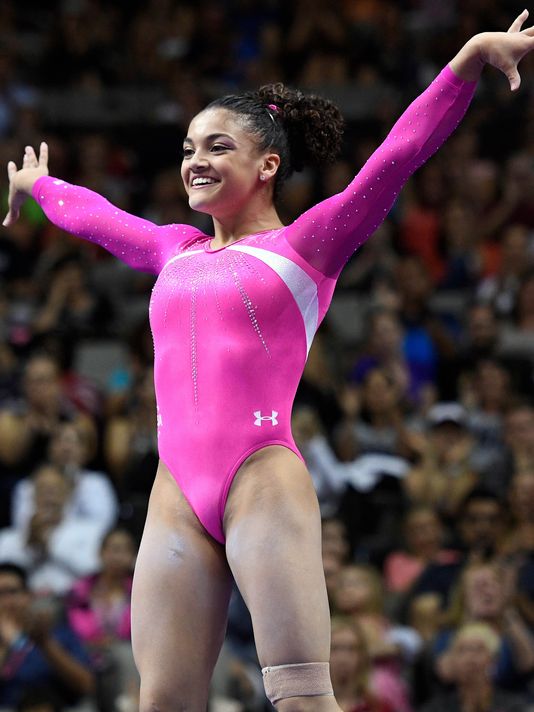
233 317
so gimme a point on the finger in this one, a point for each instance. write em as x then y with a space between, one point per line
43 154
31 156
27 159
11 169
518 22
11 218
514 79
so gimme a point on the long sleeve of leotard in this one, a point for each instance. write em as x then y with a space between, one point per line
86 214
327 234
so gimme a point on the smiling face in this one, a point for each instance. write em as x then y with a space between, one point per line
222 164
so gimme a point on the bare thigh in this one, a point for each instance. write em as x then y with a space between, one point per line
180 596
273 545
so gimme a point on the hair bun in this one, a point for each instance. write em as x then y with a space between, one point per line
314 125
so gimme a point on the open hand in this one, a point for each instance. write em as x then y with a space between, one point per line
21 181
504 50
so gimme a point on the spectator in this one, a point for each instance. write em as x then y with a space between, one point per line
481 596
472 655
26 427
36 649
91 494
374 421
53 549
359 595
72 310
480 527
98 611
350 669
520 538
447 471
385 349
501 290
326 470
423 536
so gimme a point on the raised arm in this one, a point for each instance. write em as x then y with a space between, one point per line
86 214
327 234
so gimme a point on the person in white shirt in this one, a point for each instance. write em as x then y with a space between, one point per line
54 549
92 496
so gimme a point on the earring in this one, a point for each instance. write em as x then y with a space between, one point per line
262 177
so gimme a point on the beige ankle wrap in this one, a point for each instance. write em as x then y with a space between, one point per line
299 680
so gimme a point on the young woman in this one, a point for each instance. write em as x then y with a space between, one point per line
232 495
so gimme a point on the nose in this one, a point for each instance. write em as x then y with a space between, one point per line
198 162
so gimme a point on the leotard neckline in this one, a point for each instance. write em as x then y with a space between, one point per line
209 248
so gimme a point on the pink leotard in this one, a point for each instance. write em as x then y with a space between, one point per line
232 326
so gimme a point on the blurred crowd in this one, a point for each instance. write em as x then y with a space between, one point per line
416 411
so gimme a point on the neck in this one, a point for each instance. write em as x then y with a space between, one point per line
254 219
475 697
111 579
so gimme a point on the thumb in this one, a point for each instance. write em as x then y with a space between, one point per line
514 79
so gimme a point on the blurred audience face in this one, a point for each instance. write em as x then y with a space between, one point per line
118 553
386 334
14 597
522 497
515 257
484 595
41 382
67 447
482 327
481 524
424 615
473 658
358 590
519 428
492 384
305 424
331 567
447 437
348 652
482 181
413 281
423 532
334 539
379 395
52 490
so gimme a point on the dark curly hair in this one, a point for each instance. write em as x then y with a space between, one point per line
304 129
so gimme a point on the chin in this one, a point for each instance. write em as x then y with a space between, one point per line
200 206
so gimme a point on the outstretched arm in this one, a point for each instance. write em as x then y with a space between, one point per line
327 234
86 214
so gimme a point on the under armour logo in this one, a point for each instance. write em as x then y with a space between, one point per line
259 417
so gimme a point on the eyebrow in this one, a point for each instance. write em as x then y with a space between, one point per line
211 137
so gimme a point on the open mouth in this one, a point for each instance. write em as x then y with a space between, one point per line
203 182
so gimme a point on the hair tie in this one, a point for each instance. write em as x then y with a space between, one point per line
272 109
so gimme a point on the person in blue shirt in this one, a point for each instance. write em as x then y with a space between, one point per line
34 649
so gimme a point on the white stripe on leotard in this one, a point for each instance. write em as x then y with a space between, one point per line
299 283
179 257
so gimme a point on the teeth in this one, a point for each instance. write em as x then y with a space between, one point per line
202 181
